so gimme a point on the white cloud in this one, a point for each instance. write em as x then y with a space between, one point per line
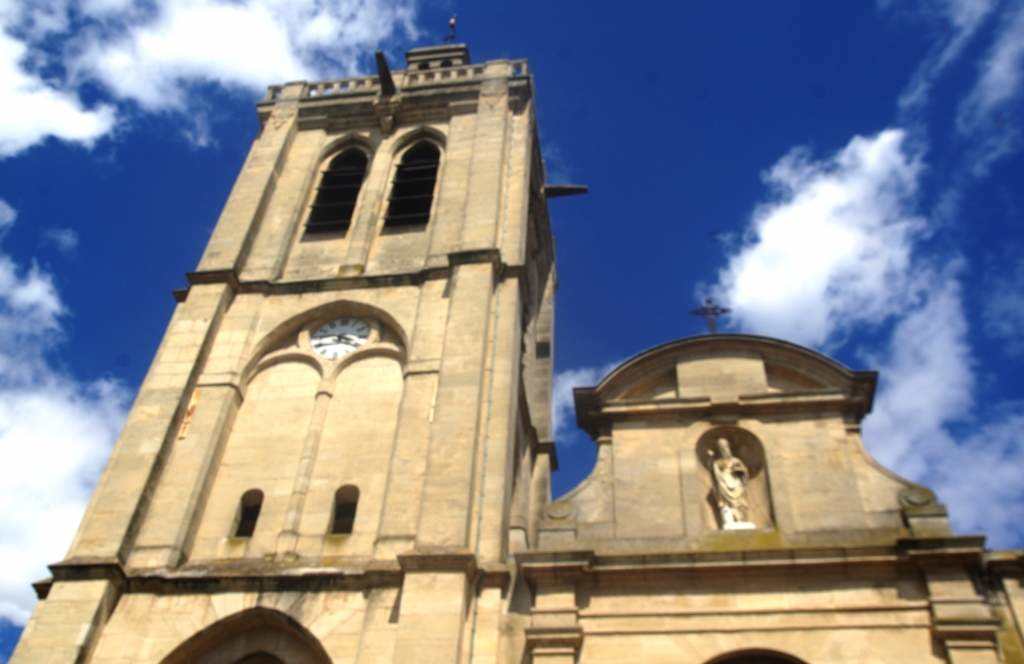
563 410
836 250
926 381
155 57
55 435
65 240
926 391
1000 74
35 110
987 116
833 248
199 132
232 44
979 479
156 54
7 215
961 20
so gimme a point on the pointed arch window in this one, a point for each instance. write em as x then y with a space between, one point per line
412 192
346 500
337 193
249 512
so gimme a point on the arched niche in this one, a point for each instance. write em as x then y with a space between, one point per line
262 451
755 657
355 449
254 636
291 336
747 458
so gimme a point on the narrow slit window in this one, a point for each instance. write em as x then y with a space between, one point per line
413 190
336 196
249 512
346 499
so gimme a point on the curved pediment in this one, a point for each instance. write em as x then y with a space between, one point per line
726 368
720 439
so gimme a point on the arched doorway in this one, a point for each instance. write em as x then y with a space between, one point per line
254 636
259 658
756 657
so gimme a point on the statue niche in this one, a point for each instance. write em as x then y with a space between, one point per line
737 484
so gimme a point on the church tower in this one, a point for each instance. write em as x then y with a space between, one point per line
349 413
341 452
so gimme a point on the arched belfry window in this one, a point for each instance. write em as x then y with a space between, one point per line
413 189
346 500
337 193
249 512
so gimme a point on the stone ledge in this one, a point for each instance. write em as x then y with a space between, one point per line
560 563
556 637
502 271
438 561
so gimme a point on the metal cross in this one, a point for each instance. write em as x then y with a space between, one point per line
710 311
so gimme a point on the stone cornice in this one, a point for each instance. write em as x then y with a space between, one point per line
503 270
592 415
438 561
262 576
544 567
422 96
932 552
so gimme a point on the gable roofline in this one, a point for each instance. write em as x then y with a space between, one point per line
858 386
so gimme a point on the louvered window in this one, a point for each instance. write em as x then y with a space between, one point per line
337 193
413 189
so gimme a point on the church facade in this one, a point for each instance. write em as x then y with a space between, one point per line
342 451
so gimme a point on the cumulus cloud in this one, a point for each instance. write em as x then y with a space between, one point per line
837 248
35 110
55 434
833 247
152 62
156 54
927 382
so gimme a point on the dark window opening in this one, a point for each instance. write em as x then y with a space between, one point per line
249 512
543 349
424 65
446 63
336 196
346 499
413 189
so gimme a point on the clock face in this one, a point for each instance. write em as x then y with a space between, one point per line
339 337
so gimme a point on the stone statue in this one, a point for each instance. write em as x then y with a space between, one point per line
731 477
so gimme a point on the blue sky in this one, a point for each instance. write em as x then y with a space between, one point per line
843 175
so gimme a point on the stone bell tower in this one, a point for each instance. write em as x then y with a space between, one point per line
343 435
